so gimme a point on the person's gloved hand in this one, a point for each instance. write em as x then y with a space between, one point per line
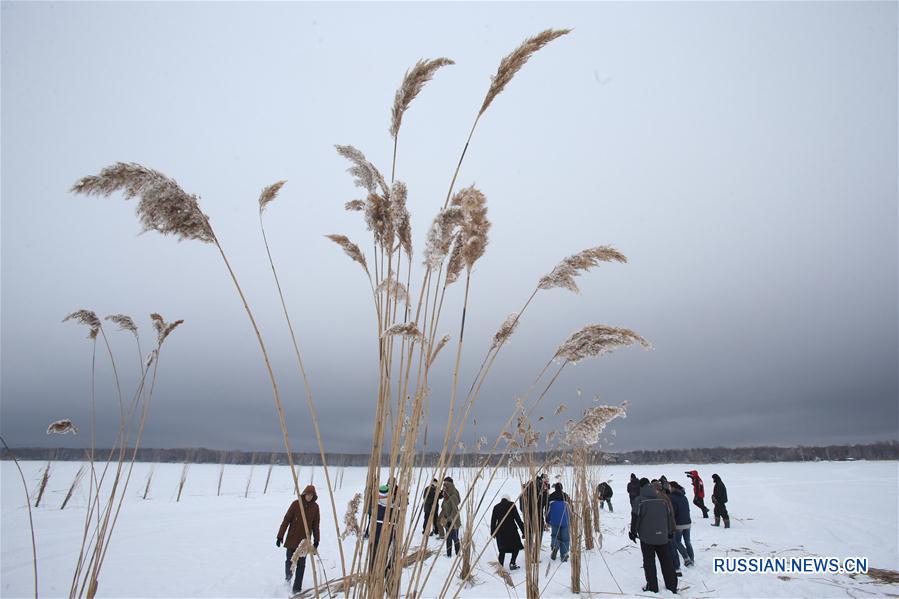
278 542
632 537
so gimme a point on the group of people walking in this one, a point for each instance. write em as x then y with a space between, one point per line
660 518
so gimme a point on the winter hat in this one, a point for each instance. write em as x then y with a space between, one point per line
644 481
557 487
310 489
383 489
448 479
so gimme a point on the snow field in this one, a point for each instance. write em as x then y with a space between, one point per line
224 546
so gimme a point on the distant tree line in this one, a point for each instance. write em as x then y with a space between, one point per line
884 450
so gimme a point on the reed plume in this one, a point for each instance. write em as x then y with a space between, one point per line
407 330
562 407
364 173
564 273
124 322
62 427
413 82
474 225
163 205
163 329
391 288
513 62
354 206
506 330
268 194
350 520
585 432
595 340
87 318
456 261
441 235
350 249
399 215
440 345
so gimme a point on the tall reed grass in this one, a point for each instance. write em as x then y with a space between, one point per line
411 331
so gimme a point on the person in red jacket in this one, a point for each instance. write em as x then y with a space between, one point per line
297 531
698 492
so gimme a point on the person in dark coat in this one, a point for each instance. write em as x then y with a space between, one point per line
432 499
682 522
450 516
505 524
633 488
604 491
698 492
297 531
533 502
719 498
652 521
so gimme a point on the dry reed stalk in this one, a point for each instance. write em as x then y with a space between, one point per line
75 481
218 490
167 208
27 505
149 480
183 479
502 573
268 195
268 475
246 491
42 486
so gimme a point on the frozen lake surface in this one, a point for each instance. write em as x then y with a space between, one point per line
224 546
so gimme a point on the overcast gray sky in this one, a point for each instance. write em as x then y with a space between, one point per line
742 155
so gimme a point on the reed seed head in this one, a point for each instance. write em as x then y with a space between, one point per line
440 345
364 172
350 520
125 322
412 84
399 216
406 329
564 273
441 235
513 62
475 225
456 263
350 249
595 340
506 330
163 329
354 206
88 318
391 288
62 427
163 205
268 194
585 432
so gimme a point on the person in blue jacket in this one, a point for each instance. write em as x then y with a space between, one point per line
557 518
682 522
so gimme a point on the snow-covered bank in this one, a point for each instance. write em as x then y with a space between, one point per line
224 546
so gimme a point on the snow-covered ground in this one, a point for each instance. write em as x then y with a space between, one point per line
224 546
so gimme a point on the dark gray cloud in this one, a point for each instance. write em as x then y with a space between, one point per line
743 156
